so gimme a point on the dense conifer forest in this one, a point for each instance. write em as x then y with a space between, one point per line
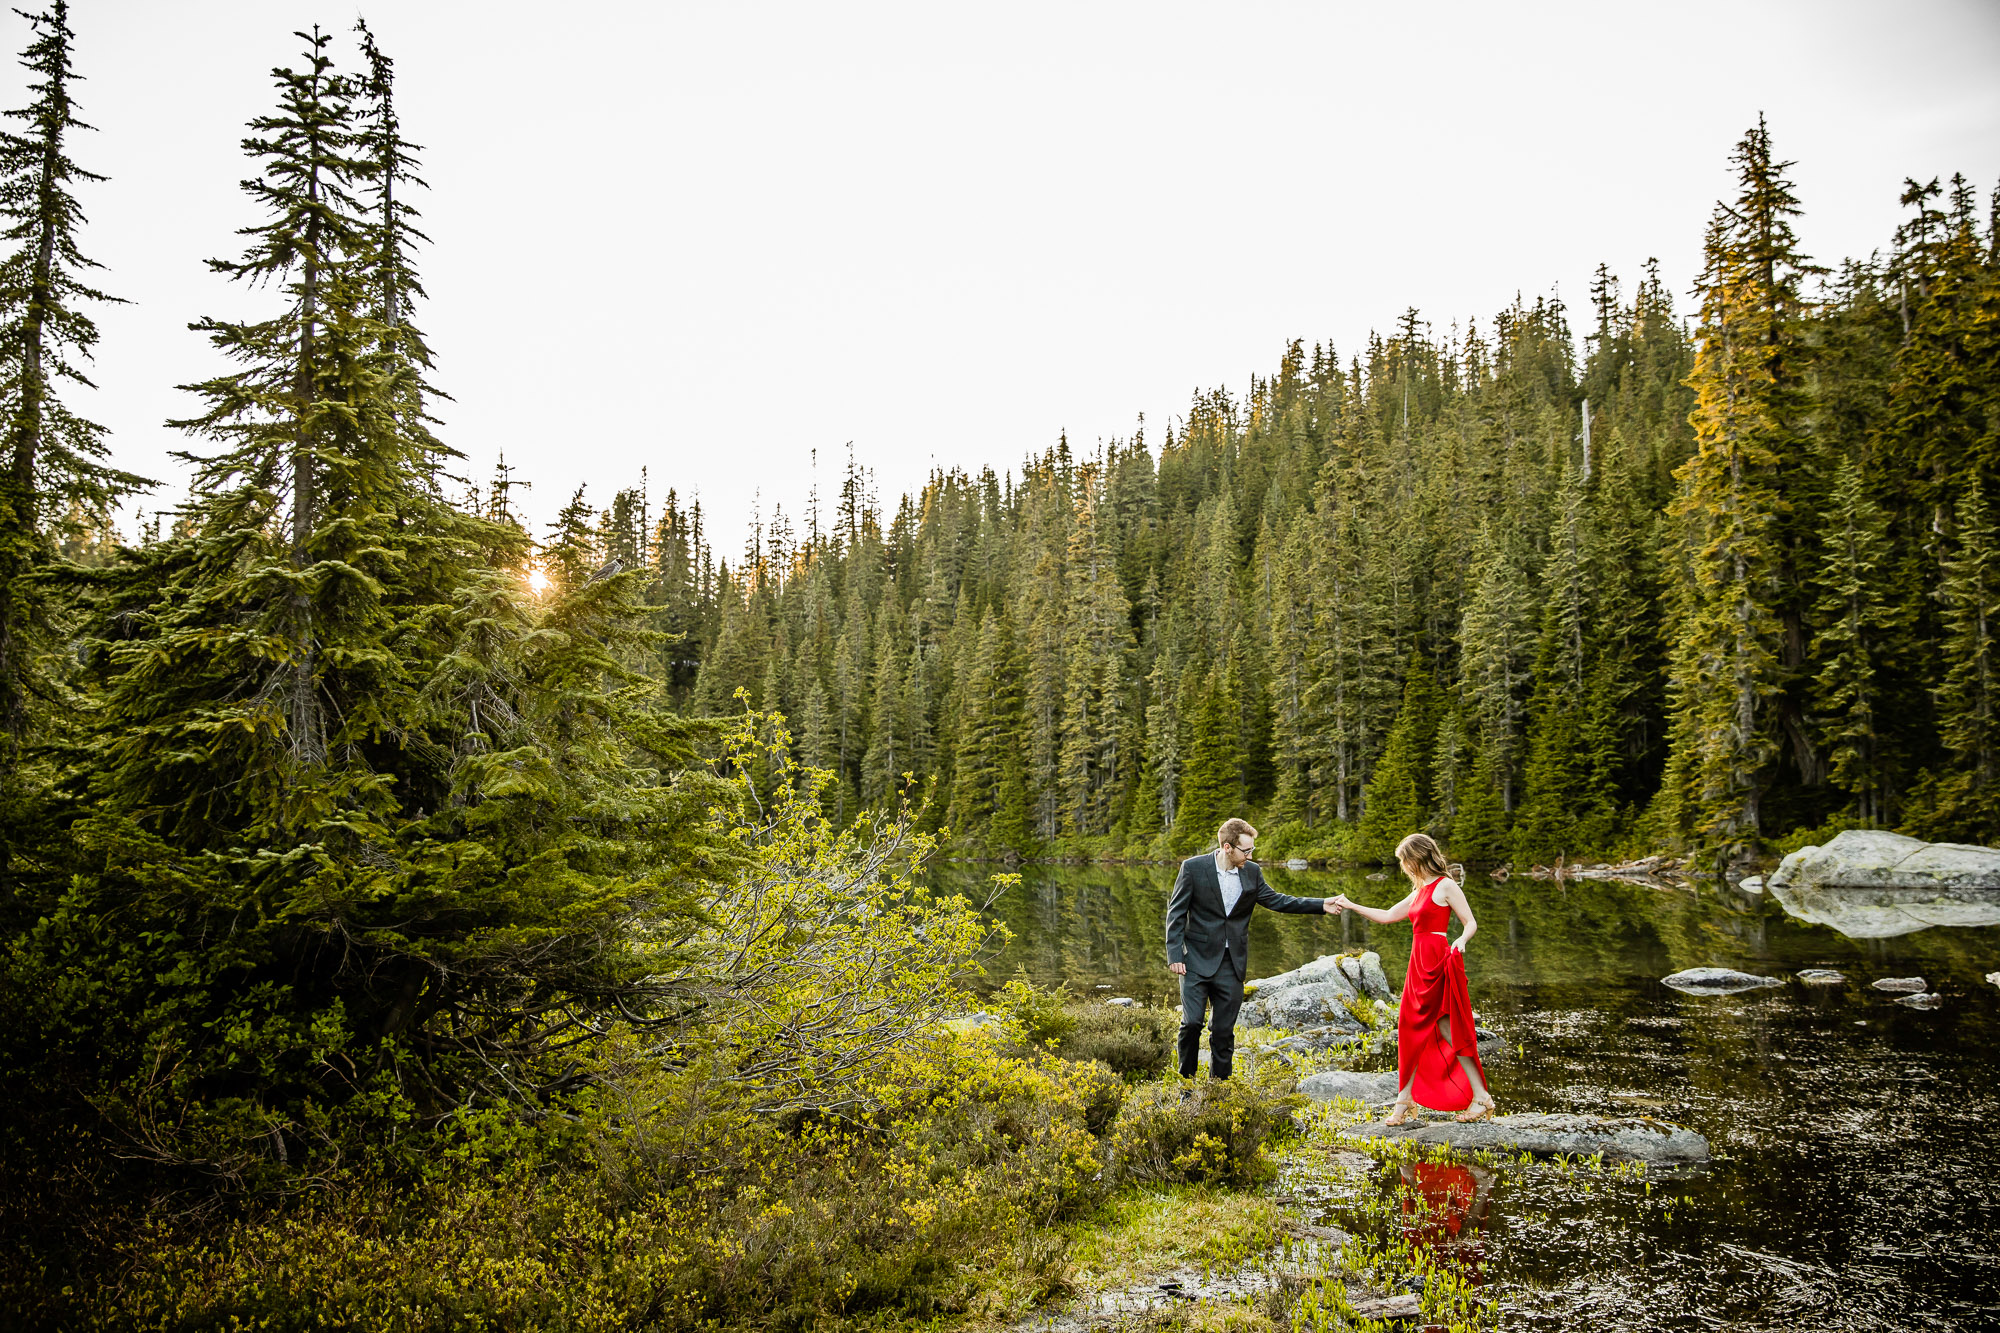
359 842
1694 580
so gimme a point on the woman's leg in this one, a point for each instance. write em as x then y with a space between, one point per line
1479 1092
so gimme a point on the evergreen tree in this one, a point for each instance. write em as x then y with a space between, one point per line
1731 670
1211 790
365 830
1854 624
1394 807
1097 639
888 755
1497 646
1564 805
56 486
1969 697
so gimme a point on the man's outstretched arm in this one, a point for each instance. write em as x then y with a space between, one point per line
1284 902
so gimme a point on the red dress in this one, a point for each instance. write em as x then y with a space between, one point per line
1435 988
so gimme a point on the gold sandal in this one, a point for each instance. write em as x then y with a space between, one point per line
1400 1112
1475 1112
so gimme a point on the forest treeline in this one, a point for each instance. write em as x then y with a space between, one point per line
1694 583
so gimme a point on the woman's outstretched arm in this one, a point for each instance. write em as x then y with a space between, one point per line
1381 916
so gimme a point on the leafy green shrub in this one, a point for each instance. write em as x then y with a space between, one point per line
1211 1129
1045 1014
1134 1040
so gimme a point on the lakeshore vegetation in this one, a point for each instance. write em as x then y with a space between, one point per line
415 921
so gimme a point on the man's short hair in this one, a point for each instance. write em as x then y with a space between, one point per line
1231 830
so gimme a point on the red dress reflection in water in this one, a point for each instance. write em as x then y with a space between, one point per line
1444 1207
1434 990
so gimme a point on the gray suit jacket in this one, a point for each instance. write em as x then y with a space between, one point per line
1198 928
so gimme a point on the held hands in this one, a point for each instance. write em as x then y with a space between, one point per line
1332 906
1338 903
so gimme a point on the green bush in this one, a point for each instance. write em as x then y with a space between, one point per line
1198 1130
1044 1013
1135 1041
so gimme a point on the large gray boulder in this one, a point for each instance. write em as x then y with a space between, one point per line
1324 969
1870 885
1637 1138
1374 981
1316 1004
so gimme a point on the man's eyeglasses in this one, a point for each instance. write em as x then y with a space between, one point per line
1242 851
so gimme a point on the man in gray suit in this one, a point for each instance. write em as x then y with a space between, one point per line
1208 939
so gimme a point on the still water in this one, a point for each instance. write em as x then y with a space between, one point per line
1855 1139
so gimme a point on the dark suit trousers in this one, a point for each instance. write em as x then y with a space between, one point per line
1224 992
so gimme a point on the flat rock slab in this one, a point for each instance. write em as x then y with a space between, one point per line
1717 981
1406 1306
1900 985
1168 1292
1927 1001
1371 1089
1320 1039
1634 1139
1822 976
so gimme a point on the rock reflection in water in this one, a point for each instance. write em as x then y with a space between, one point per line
1873 914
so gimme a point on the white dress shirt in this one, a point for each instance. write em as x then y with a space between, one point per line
1231 881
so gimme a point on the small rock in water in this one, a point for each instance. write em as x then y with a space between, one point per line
1754 884
1124 1002
1994 978
1928 1000
1821 976
1717 980
1297 863
1902 985
1378 875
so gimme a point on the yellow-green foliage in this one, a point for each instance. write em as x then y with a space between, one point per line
951 1195
1045 1014
1196 1130
1136 1041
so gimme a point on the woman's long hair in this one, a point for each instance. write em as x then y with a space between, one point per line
1420 852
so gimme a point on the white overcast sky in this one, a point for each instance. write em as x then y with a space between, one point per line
707 239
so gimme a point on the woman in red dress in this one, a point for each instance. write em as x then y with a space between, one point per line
1437 1047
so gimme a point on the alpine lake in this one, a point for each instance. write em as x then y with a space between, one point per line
1855 1139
